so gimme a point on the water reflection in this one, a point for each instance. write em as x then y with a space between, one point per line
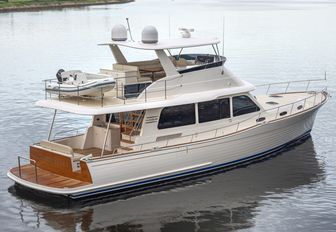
219 202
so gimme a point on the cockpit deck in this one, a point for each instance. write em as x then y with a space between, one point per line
46 178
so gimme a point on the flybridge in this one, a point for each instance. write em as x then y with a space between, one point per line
171 79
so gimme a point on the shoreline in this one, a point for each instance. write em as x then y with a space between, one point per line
36 6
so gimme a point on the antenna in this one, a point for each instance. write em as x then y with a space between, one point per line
223 35
223 30
169 25
186 32
129 29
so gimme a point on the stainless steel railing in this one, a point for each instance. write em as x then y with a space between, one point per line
77 131
119 87
31 161
289 83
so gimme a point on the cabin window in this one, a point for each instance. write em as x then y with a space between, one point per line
213 110
134 90
243 105
175 116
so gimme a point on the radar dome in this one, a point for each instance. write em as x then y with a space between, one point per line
119 33
149 35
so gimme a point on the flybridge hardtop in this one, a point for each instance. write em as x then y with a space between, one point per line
167 43
161 119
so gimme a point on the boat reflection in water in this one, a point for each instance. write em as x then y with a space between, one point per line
219 202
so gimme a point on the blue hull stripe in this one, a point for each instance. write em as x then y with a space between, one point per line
188 173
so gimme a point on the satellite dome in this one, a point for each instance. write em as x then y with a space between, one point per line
119 33
149 35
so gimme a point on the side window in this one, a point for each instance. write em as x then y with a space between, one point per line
175 116
213 110
134 90
243 105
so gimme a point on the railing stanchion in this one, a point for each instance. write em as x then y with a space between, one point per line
102 97
258 118
287 86
52 125
276 115
117 88
33 162
146 94
291 109
237 126
59 91
165 85
19 163
77 95
307 85
106 135
269 86
45 90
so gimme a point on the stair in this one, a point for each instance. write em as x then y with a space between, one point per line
122 149
130 129
126 142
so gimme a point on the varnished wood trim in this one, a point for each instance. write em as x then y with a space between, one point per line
59 164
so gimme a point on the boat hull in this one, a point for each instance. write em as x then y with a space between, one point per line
158 165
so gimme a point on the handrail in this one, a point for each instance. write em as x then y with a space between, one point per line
238 124
285 82
67 131
28 159
290 82
137 123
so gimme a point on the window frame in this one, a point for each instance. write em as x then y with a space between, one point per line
251 98
218 99
174 127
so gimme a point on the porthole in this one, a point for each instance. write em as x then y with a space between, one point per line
299 107
276 96
283 113
260 119
272 103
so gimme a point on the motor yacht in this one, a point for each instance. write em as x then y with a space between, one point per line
171 117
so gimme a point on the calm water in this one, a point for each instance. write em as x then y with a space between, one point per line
265 41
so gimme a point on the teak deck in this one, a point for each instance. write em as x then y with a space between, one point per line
46 178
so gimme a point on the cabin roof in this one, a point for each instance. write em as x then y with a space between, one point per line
115 105
166 43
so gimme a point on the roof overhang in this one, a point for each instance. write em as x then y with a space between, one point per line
166 43
141 105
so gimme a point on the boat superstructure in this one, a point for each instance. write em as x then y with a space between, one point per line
165 118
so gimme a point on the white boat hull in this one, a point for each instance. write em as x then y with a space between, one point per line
157 165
